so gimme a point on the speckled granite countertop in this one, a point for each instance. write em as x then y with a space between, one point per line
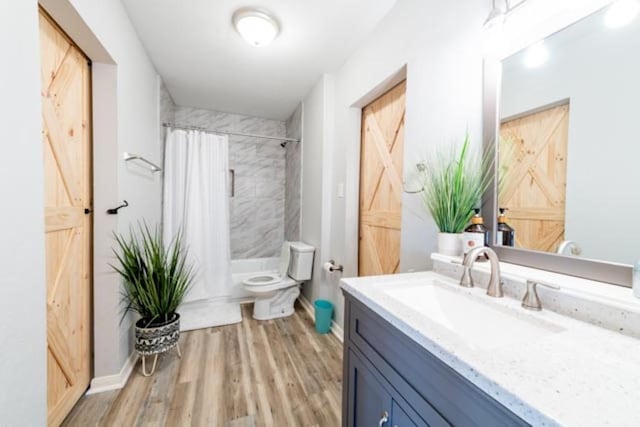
583 375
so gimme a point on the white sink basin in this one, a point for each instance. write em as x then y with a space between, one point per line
475 319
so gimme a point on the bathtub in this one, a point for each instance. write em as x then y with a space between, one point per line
242 269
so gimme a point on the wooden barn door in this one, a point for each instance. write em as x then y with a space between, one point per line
67 171
381 158
534 166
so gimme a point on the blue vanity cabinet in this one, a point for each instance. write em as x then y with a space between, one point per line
392 381
374 401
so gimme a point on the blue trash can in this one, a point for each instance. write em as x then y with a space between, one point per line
324 312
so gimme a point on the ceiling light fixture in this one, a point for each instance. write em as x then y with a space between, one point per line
536 55
621 13
257 27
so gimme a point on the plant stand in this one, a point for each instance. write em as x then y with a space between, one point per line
153 340
155 360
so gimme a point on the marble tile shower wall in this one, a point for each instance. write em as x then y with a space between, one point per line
293 171
257 209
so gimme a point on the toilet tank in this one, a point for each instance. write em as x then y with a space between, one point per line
301 261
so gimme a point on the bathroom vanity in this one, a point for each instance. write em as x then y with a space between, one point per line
389 376
421 350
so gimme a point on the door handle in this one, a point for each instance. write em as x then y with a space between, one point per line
384 419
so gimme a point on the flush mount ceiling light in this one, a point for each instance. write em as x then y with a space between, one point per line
536 55
621 13
257 27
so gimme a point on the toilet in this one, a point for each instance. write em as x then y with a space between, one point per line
277 291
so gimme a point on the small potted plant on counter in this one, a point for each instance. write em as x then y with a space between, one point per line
156 279
453 181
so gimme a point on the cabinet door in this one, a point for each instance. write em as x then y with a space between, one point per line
370 402
403 416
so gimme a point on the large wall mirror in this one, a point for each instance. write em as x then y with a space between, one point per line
565 114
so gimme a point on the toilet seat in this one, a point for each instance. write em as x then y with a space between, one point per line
263 279
267 282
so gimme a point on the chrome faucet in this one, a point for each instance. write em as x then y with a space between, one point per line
573 247
495 283
531 301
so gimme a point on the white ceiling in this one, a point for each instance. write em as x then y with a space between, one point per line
206 64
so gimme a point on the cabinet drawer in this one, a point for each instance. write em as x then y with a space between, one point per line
399 358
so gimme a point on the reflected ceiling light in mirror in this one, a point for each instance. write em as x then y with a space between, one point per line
497 15
621 13
536 55
257 27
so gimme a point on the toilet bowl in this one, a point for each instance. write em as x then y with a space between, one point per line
276 292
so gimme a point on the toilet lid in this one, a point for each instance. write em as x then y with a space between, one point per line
285 254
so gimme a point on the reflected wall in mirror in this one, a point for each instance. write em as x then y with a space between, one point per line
569 163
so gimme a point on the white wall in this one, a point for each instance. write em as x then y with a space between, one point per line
137 132
592 66
103 30
22 266
316 167
441 46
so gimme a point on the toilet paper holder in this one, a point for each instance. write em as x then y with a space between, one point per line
333 267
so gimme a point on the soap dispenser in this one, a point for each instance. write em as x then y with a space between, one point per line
505 234
476 234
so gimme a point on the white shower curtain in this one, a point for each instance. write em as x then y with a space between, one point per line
196 203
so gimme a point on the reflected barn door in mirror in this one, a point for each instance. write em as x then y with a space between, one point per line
576 169
533 168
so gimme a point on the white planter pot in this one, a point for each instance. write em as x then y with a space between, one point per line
450 244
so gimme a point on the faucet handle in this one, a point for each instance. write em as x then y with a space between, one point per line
531 301
466 280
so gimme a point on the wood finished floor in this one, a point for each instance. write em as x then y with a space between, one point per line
255 373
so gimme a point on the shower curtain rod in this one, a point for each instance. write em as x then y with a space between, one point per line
249 135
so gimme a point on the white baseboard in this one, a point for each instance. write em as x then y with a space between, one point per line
114 382
308 307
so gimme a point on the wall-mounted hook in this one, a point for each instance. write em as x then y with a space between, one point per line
421 168
114 211
412 191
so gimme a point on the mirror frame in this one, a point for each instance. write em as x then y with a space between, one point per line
601 271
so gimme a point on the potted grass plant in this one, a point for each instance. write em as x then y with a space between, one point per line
155 280
453 181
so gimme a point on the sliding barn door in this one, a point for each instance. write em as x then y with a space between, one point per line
67 172
534 162
381 158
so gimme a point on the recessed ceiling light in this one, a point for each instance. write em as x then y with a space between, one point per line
257 27
536 55
621 13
